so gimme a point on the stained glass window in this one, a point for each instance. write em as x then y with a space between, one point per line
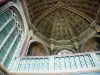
11 31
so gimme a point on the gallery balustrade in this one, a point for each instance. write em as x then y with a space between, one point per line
72 62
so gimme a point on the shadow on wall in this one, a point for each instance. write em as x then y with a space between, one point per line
36 49
2 2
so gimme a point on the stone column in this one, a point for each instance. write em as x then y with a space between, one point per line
97 28
75 43
25 47
52 46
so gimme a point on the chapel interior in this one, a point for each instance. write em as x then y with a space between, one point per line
43 37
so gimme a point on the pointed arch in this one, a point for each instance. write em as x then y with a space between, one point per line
65 7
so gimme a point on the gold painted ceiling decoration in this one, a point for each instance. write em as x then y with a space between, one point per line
38 7
62 24
62 19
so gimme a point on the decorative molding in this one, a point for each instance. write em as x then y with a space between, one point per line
65 7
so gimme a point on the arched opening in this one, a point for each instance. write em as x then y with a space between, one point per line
98 44
93 44
64 52
36 49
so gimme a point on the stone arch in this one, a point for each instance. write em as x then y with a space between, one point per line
92 44
64 7
98 17
37 49
12 34
13 6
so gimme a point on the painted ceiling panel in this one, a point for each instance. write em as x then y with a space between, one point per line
62 19
62 24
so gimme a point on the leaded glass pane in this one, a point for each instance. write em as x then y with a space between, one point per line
9 34
5 32
1 56
4 17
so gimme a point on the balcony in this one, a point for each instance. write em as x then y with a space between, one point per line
70 64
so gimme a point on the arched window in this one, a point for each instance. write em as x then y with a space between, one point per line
11 33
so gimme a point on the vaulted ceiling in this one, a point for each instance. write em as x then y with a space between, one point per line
62 19
62 24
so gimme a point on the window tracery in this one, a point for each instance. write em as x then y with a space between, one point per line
11 33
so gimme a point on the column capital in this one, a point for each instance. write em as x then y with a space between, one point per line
75 43
73 39
97 28
52 47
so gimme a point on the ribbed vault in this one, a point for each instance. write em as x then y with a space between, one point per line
38 7
62 24
62 19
